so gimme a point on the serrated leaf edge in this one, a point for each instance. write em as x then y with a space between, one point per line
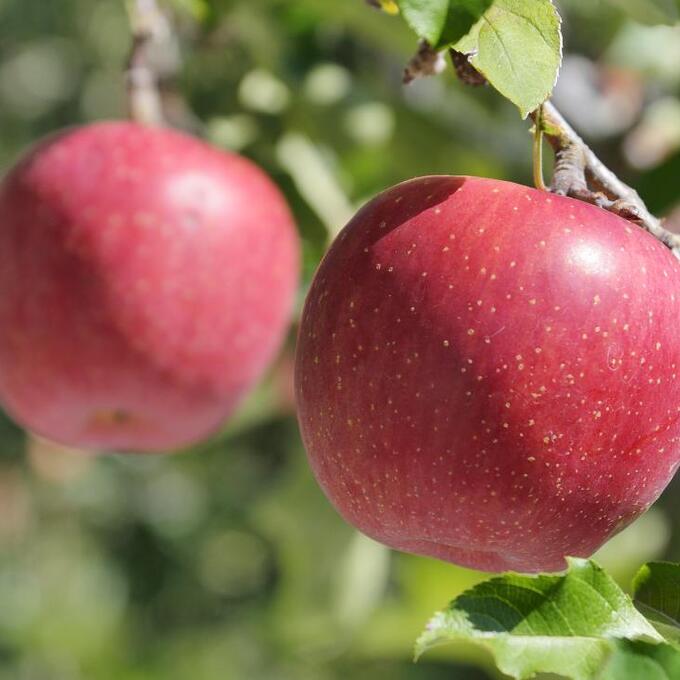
524 112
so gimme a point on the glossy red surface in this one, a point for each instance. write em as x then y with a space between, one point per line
488 374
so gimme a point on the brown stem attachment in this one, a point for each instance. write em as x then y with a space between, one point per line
465 71
425 62
579 173
143 96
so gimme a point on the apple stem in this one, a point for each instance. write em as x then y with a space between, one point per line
539 182
579 173
143 97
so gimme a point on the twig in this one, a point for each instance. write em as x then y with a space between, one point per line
143 96
579 173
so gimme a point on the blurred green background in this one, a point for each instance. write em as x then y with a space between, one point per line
228 563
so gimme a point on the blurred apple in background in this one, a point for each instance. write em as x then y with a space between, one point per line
147 283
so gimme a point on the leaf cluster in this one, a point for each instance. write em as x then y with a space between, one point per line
515 44
577 625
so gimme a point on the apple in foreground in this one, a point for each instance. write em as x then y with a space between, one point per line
488 374
146 280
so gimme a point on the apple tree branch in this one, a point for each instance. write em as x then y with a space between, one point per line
143 97
578 172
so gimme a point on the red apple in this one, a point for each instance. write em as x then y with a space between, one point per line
146 281
488 374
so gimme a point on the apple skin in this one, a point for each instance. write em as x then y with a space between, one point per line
487 374
147 281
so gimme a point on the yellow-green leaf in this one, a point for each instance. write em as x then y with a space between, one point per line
569 624
517 46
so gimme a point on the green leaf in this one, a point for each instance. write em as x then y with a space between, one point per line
442 22
656 592
517 46
565 623
650 11
638 660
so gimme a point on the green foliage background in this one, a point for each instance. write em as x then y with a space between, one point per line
229 563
